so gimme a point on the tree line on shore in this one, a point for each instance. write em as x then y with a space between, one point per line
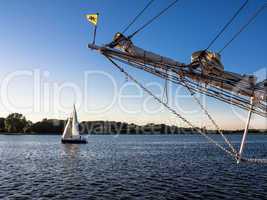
16 123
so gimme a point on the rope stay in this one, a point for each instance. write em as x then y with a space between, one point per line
154 18
232 152
255 14
165 91
137 16
227 141
188 76
227 24
192 79
211 140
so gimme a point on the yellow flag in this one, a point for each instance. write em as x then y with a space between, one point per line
93 18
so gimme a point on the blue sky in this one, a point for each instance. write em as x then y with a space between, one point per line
52 36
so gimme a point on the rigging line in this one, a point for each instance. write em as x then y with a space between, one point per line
165 77
137 16
227 24
244 26
115 55
210 117
154 18
211 140
251 160
226 94
165 91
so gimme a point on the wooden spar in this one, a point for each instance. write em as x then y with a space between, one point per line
227 87
94 46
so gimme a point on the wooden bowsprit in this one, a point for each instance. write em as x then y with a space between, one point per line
234 91
205 74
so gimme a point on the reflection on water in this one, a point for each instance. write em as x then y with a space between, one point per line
71 149
128 167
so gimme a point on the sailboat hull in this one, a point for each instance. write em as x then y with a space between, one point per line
74 141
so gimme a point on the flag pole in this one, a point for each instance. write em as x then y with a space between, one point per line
94 35
93 18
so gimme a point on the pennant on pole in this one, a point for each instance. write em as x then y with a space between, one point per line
93 18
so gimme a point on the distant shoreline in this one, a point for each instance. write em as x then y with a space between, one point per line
17 124
52 134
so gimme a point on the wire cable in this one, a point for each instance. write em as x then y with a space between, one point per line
137 16
227 24
244 26
154 18
231 152
211 140
165 91
227 141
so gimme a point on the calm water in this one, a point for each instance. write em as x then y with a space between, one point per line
128 167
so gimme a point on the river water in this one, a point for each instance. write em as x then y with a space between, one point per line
129 167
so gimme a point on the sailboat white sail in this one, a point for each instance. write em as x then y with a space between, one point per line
71 132
67 131
75 124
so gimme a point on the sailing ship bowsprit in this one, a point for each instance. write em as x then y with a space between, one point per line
205 74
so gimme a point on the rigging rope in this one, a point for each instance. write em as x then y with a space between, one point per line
211 140
231 152
244 26
252 160
165 91
137 16
227 24
210 118
154 18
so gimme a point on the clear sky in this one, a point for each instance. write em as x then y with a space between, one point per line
51 37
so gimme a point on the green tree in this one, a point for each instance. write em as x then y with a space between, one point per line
49 126
16 123
2 124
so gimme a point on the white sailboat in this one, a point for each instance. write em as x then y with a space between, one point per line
71 132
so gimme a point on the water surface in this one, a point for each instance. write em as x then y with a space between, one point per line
128 167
